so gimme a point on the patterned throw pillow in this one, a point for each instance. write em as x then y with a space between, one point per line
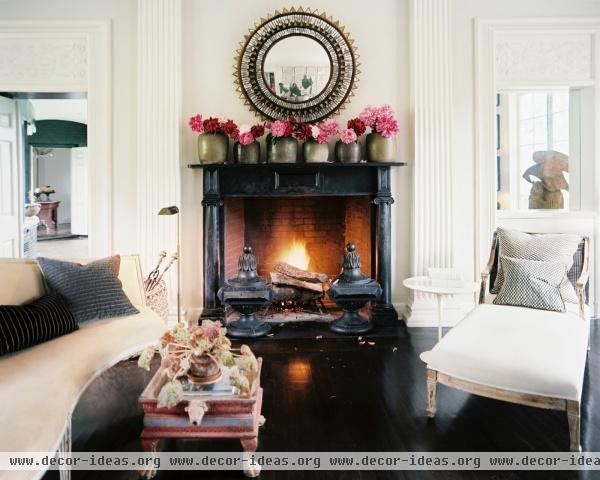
43 319
541 247
533 284
92 291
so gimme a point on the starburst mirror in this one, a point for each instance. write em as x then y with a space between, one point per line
297 62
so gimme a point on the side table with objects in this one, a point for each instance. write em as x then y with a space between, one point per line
440 288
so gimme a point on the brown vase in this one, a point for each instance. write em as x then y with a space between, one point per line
212 147
314 152
347 152
380 148
246 154
204 369
282 150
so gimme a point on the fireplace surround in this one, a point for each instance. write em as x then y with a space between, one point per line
323 206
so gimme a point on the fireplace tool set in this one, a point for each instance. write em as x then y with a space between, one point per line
247 293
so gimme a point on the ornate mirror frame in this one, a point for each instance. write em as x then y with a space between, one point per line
250 57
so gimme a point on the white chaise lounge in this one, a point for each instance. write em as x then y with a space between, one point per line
516 354
40 386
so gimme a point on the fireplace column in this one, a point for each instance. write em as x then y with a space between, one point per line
385 312
212 203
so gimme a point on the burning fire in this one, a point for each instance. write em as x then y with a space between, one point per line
297 255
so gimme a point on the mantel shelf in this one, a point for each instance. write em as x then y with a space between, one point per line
296 165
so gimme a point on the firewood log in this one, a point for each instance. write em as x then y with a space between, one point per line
283 294
281 279
300 274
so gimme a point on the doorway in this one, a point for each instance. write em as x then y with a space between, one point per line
53 166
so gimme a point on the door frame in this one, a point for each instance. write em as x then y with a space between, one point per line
76 58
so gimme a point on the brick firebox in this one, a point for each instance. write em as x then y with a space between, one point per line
322 224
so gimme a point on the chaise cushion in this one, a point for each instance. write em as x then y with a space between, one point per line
516 348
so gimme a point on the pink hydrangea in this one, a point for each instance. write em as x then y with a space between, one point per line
246 138
348 136
196 123
279 128
387 125
369 115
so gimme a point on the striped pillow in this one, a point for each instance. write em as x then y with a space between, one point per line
92 291
23 326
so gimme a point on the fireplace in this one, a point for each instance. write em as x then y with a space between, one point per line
302 214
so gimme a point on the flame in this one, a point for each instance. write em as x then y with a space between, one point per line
297 255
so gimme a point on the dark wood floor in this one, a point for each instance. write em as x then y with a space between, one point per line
336 395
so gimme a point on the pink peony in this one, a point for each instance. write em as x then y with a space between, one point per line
330 127
246 138
387 125
195 123
384 110
348 136
369 115
279 128
322 138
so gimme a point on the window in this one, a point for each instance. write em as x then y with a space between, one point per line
533 141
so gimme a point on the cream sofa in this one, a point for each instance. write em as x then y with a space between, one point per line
40 386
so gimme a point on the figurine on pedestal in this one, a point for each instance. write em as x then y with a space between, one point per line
246 294
351 291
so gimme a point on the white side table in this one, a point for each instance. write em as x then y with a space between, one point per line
423 284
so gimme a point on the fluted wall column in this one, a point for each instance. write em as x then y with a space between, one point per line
432 244
158 130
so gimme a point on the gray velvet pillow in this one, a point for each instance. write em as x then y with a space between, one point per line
533 284
92 291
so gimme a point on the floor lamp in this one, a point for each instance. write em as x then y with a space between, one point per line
173 210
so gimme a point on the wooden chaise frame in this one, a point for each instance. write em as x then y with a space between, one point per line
572 407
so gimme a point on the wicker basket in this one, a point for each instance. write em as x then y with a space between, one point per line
158 300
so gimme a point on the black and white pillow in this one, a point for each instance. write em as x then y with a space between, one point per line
43 319
92 291
541 247
533 284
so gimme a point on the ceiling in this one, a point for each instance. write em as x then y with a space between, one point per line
74 110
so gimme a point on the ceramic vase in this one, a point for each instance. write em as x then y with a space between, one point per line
282 150
246 154
203 369
314 152
347 152
380 149
212 147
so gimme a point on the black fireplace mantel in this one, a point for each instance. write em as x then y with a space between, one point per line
295 179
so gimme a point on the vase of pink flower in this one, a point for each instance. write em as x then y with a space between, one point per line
316 148
246 150
347 148
213 138
282 140
381 142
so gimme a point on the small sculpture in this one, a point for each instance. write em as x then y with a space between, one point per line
246 293
548 169
351 290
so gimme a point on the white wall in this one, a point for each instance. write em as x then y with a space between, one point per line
122 14
211 33
56 172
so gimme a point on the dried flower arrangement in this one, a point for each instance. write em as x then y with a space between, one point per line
182 346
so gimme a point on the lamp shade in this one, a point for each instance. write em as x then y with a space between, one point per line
172 210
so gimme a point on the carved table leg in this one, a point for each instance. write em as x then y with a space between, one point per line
249 445
573 416
151 445
431 391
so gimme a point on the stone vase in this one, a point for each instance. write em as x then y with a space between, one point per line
246 154
314 152
347 152
381 149
212 147
203 369
282 150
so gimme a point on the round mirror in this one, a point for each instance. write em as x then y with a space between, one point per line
296 63
297 68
